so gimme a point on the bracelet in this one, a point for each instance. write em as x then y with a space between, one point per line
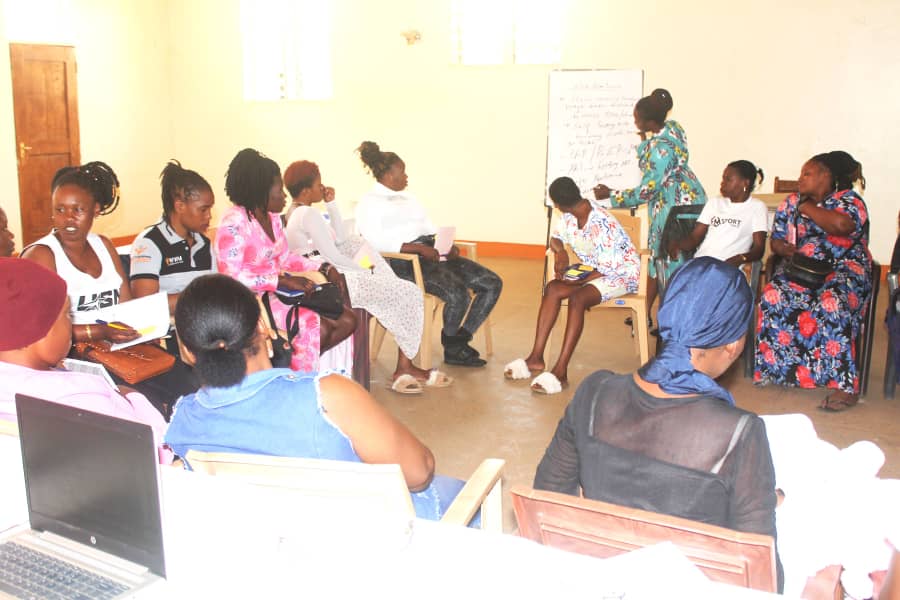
90 337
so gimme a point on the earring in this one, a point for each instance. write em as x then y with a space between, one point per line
745 188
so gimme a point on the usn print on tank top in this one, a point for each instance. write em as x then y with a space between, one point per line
85 292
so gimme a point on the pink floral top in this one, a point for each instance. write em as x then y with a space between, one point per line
245 252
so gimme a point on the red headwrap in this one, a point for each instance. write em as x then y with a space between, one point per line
31 297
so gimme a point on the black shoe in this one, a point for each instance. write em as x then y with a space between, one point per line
462 338
462 355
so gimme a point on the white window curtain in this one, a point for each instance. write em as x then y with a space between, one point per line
287 49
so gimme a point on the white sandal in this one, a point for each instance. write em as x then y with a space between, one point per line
517 369
546 383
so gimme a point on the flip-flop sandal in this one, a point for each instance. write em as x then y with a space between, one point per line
547 383
517 369
832 404
437 379
406 384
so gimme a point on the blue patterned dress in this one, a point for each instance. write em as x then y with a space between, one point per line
666 181
807 338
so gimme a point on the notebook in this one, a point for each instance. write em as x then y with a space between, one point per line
92 486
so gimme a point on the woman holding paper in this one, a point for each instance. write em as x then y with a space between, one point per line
372 285
393 220
666 178
93 270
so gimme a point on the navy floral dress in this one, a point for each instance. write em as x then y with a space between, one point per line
807 338
666 181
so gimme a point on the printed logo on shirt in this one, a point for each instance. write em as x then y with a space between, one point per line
719 221
174 260
97 301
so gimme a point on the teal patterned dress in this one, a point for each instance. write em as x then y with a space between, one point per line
666 181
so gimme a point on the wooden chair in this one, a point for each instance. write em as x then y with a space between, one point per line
784 186
602 530
433 307
635 224
374 490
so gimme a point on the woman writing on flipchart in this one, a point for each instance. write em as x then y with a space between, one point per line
666 178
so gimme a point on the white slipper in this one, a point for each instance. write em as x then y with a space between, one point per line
438 379
405 384
546 383
517 369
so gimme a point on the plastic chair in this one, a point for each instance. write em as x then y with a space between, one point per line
433 307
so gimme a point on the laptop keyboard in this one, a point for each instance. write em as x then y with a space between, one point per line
29 574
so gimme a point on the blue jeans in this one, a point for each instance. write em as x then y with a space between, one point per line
432 502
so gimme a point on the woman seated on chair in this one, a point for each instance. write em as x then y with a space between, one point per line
732 227
392 220
93 270
36 334
247 406
168 255
251 247
371 283
668 438
600 244
807 336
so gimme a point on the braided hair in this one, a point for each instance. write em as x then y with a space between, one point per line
216 317
656 106
748 171
249 179
97 178
178 182
377 162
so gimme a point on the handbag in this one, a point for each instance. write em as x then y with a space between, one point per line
327 300
807 272
803 270
281 348
133 364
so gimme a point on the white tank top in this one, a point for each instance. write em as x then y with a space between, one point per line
85 292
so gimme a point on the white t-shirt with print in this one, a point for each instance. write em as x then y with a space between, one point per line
731 226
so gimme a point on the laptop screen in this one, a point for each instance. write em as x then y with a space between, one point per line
92 478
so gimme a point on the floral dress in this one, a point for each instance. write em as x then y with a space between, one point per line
604 245
666 181
245 252
807 338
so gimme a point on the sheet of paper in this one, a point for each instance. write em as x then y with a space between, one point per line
443 240
148 315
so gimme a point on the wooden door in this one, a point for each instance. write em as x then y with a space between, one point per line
45 103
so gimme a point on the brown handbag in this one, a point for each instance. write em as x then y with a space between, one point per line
133 364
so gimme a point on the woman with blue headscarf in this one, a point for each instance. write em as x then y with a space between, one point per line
668 438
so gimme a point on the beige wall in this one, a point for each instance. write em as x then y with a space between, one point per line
775 84
124 98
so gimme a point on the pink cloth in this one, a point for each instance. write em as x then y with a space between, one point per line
81 390
245 252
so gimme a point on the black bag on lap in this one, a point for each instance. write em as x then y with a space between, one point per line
807 272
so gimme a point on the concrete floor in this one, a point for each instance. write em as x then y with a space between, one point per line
483 415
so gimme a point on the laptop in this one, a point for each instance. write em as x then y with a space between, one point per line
92 485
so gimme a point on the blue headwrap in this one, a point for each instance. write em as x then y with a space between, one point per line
707 304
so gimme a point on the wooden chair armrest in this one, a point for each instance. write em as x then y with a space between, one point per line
416 265
9 428
824 585
482 490
471 249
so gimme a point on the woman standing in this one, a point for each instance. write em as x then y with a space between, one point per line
395 302
666 179
393 220
251 247
807 336
169 255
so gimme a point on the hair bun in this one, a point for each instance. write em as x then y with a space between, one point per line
663 98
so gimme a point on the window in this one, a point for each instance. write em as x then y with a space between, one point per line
287 49
494 32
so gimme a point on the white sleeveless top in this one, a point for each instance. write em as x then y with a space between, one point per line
85 292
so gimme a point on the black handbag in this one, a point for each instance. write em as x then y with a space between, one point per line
807 272
327 300
281 348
